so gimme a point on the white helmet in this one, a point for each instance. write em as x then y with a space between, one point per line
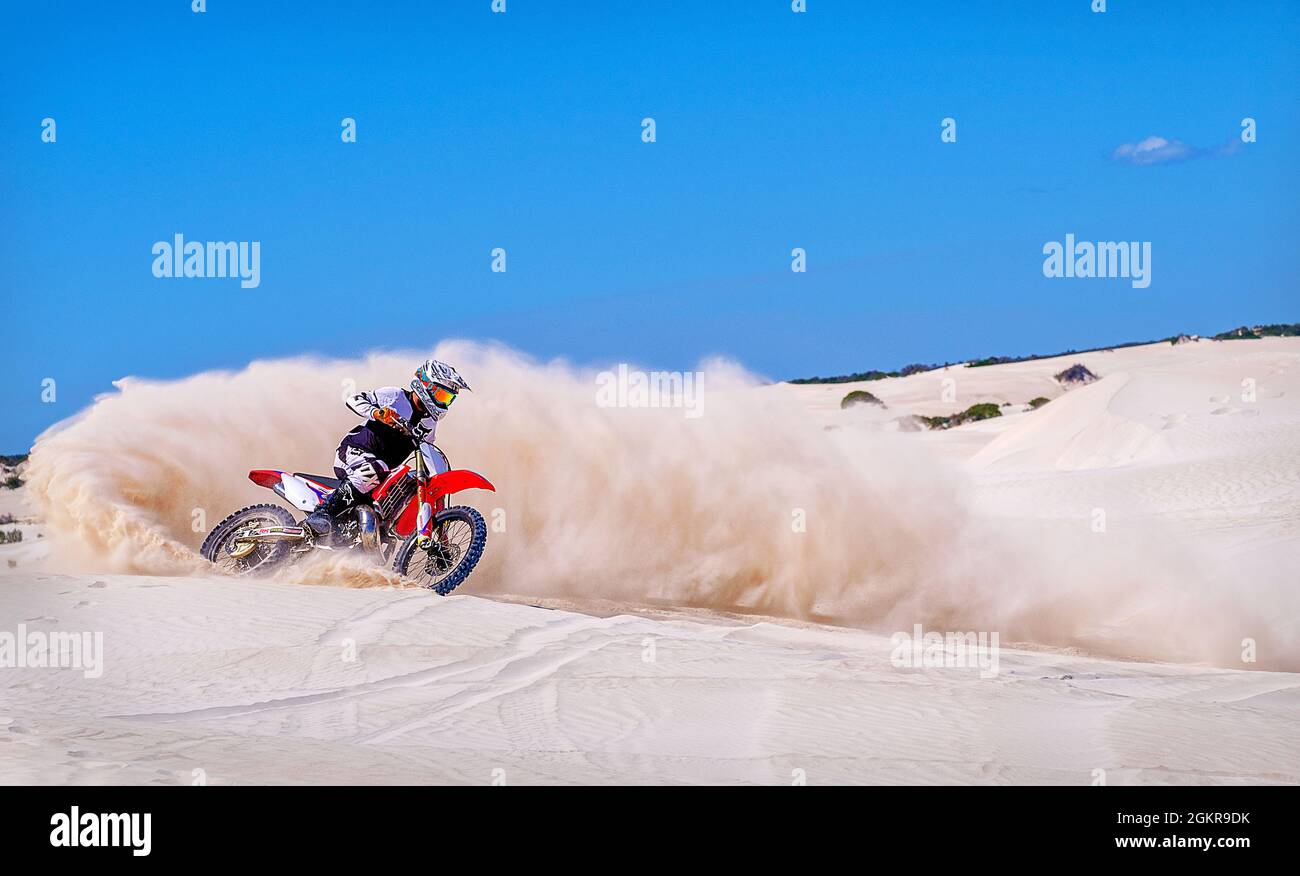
436 385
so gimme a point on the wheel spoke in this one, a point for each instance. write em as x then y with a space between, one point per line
451 542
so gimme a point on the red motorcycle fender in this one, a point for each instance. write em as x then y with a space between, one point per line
456 480
440 485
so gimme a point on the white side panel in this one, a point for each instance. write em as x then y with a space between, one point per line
296 491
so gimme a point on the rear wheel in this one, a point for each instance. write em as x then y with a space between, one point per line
459 536
234 558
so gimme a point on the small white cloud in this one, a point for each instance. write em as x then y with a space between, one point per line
1158 150
1155 150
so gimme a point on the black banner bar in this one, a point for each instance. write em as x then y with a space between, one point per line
333 824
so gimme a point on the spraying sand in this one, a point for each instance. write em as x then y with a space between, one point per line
753 507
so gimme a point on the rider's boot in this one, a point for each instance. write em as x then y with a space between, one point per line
321 521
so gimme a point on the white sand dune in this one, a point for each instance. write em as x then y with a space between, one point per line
1167 432
249 683
14 503
1080 431
687 632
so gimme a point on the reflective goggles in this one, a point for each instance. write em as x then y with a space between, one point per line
442 396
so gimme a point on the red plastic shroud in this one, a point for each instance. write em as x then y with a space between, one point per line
394 476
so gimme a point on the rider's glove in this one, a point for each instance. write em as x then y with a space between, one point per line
387 416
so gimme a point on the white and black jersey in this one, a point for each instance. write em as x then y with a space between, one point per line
376 440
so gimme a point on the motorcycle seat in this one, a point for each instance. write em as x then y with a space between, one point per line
332 483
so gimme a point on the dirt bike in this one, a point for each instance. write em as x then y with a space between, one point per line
409 501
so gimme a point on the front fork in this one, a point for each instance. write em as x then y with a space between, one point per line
429 504
424 523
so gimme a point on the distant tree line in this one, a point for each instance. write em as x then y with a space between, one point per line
1275 330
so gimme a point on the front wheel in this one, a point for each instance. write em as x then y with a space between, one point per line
459 536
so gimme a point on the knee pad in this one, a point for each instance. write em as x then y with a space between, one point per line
367 474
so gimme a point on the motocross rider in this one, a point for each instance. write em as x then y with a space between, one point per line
369 451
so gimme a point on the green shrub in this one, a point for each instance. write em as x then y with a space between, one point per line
1075 374
982 411
859 397
1036 403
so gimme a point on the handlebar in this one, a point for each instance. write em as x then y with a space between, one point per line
418 435
415 433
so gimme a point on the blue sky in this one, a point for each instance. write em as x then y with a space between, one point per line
523 130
